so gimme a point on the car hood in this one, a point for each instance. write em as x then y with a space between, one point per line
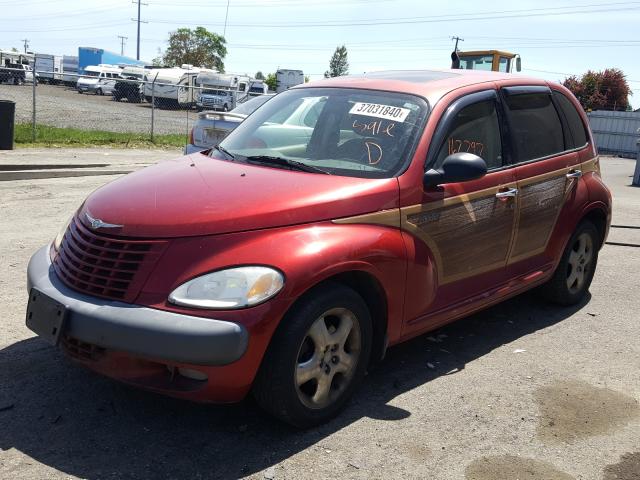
199 195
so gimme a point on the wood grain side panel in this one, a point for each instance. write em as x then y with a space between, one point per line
468 237
540 204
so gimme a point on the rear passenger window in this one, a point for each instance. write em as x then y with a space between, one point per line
578 136
536 130
476 130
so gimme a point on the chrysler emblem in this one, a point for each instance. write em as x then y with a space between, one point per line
96 223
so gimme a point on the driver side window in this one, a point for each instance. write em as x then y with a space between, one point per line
475 129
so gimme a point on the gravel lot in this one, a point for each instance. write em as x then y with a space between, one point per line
60 106
522 390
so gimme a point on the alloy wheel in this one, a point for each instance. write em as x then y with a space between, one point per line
328 358
579 262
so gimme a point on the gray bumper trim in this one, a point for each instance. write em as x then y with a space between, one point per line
138 330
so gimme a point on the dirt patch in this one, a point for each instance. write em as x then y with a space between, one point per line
628 468
571 410
510 467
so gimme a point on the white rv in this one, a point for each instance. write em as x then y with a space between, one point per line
69 69
172 86
99 79
7 57
221 91
288 78
49 68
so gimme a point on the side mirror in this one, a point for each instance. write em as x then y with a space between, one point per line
457 167
518 63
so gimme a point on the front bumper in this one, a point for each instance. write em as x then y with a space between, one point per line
137 330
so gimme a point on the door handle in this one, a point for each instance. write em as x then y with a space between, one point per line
511 192
574 174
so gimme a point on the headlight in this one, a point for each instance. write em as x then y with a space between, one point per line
58 240
229 289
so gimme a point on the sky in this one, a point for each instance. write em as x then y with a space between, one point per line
554 38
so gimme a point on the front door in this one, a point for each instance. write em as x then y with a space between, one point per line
463 229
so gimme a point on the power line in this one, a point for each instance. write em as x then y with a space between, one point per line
65 14
69 28
503 14
271 4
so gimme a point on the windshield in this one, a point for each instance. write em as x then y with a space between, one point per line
343 131
249 106
90 74
219 93
476 62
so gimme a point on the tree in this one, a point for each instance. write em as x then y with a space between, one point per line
338 65
259 75
271 81
605 90
14 49
307 79
198 47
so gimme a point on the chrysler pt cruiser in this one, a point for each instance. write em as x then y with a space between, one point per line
340 218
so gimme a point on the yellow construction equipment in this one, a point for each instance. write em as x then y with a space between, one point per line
489 60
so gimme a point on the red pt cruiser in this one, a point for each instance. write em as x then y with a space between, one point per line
340 218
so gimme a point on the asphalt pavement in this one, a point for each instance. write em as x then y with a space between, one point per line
522 390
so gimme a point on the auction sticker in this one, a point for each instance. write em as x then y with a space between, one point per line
388 112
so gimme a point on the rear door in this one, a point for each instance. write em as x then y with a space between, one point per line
546 163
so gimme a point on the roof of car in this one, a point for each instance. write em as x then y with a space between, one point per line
431 84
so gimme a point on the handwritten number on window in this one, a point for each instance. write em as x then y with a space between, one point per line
463 145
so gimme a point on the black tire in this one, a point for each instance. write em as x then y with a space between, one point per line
572 278
99 92
225 108
276 387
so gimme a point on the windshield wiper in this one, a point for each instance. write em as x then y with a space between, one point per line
284 162
225 151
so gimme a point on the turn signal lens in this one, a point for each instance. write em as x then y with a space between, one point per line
58 240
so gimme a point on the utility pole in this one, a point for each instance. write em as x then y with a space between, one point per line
457 39
139 2
26 44
226 16
122 40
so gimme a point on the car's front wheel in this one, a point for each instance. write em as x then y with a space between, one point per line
574 274
317 357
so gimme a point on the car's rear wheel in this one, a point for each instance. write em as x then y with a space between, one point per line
574 274
317 357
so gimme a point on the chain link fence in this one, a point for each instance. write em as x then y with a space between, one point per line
142 109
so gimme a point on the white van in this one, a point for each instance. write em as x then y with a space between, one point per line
99 79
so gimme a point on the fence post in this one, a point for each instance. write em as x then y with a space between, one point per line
33 113
636 174
153 103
